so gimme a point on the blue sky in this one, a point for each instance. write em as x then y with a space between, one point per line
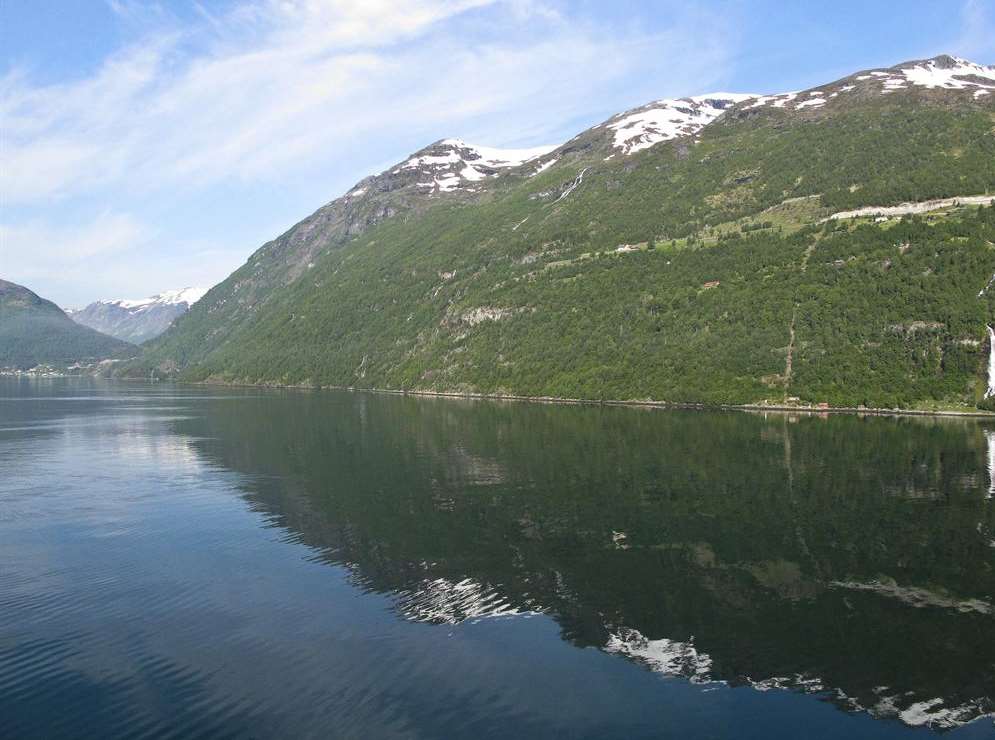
147 146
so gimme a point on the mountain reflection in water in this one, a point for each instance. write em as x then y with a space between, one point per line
848 557
852 556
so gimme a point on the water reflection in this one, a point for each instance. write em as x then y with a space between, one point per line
842 555
165 553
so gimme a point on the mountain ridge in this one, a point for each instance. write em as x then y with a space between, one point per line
916 131
137 320
35 331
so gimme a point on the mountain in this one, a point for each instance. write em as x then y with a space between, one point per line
710 249
35 331
139 320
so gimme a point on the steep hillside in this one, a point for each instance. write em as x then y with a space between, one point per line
449 170
675 252
139 320
34 331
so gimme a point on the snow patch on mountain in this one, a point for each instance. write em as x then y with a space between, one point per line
777 101
540 168
811 103
167 298
453 164
499 158
947 73
667 119
961 75
941 73
471 173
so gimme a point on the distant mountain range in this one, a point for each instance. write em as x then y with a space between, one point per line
138 320
34 331
722 248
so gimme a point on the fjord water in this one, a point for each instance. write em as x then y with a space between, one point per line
186 561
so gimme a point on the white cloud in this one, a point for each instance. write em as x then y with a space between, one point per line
107 257
27 245
39 252
977 38
317 25
288 81
153 113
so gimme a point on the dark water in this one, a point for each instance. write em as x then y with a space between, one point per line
190 562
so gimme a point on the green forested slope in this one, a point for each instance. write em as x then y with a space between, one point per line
35 331
523 290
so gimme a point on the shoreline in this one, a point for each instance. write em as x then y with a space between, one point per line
557 400
781 408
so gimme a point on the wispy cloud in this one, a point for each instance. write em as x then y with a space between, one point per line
37 250
977 37
279 82
280 91
108 252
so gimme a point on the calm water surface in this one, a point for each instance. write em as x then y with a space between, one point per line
189 562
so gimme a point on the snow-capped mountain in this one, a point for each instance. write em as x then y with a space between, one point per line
455 167
189 296
137 320
663 120
452 164
458 164
941 73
